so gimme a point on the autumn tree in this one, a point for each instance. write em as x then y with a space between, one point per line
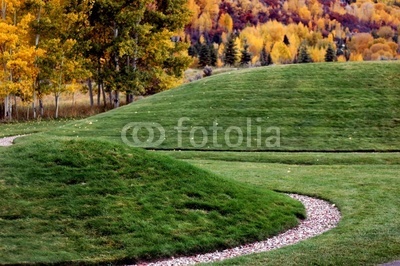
225 22
61 69
137 43
360 42
386 32
280 53
17 55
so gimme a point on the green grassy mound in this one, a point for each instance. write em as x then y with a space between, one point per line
313 107
73 200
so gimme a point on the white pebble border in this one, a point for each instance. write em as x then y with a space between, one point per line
321 217
8 141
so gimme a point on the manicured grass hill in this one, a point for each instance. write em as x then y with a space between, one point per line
88 201
316 107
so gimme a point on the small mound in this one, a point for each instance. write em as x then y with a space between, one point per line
88 201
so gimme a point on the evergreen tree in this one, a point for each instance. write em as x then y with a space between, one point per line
286 40
213 55
192 51
204 56
246 55
303 55
330 55
230 52
263 57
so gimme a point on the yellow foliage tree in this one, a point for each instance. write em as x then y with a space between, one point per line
304 13
17 56
254 39
356 57
281 54
359 42
317 54
225 22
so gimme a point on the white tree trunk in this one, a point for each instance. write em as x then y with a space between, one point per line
34 105
116 99
57 101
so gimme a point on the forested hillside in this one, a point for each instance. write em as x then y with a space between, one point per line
356 30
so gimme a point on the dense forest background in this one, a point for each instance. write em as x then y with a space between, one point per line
356 30
105 48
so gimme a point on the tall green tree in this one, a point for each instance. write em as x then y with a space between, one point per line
231 51
58 28
265 57
135 46
303 55
245 58
213 55
205 56
330 55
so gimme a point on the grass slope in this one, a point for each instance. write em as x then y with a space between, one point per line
349 106
88 201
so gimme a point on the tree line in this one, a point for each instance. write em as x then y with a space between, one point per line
356 30
49 47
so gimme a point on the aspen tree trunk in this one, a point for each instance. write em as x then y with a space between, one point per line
98 94
15 107
104 95
116 99
7 107
34 104
58 93
90 92
41 107
110 97
57 101
37 81
6 103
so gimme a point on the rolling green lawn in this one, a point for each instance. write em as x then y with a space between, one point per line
82 172
351 106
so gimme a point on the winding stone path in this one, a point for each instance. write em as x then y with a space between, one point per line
321 217
8 141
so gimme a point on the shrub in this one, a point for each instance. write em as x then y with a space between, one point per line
207 71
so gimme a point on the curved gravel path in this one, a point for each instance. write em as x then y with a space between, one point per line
321 217
8 141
